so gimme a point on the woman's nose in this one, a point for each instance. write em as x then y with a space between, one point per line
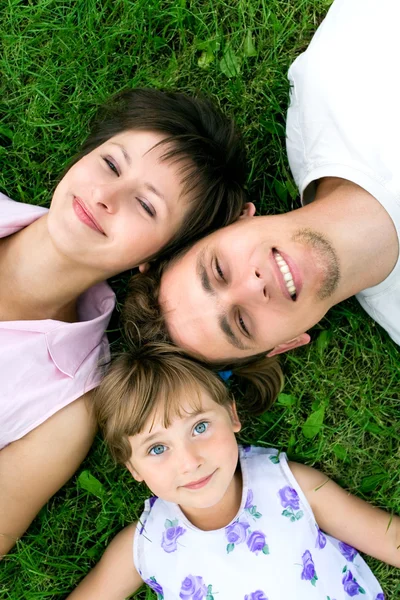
108 196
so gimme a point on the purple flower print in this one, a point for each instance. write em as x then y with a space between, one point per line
308 573
380 597
348 551
256 542
289 498
258 595
246 448
249 499
152 500
156 587
350 585
236 532
193 588
321 539
171 535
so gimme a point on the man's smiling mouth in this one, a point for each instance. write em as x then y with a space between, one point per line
286 273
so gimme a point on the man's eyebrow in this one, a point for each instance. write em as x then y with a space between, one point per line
202 273
230 335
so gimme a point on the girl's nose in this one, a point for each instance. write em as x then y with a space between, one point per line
190 459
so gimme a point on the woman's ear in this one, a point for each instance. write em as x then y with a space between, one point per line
133 471
249 210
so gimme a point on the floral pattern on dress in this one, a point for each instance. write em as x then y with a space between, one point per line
308 573
321 539
257 595
380 597
290 501
194 588
350 584
172 533
239 532
251 508
348 551
156 587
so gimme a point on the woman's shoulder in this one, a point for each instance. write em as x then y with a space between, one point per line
16 215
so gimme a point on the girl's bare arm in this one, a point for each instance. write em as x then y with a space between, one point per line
349 518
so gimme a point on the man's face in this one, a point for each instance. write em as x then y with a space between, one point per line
254 286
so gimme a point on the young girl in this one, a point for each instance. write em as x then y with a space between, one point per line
158 170
223 522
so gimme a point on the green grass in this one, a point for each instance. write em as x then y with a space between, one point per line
58 61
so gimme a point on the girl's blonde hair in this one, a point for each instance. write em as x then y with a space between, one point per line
161 375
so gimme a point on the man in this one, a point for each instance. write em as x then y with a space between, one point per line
259 284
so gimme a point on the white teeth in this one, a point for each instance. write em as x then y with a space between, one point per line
287 276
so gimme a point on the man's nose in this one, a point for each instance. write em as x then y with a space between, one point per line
250 287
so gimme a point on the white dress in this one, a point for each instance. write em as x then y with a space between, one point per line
272 550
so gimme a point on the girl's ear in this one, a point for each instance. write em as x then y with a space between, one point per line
133 471
236 424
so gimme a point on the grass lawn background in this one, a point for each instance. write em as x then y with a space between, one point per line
58 61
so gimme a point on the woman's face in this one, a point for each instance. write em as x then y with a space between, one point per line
119 204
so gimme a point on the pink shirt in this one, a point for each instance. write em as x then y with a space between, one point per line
45 365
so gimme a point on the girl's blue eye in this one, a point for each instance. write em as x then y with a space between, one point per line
111 165
201 427
157 450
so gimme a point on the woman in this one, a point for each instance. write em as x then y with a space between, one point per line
158 170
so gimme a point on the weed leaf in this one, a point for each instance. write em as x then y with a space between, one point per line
229 63
313 424
92 485
249 47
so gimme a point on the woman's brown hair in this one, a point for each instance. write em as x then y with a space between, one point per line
158 375
200 137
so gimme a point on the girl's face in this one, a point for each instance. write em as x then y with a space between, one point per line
193 461
118 205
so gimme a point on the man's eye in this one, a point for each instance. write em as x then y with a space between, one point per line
243 326
157 450
201 427
219 270
111 165
149 209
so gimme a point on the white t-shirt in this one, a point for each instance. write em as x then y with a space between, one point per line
344 120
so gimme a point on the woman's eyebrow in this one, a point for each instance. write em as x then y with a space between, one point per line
124 152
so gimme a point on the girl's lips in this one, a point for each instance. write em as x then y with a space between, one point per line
195 485
85 216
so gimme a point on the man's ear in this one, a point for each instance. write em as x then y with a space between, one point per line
236 424
133 471
300 340
144 267
249 210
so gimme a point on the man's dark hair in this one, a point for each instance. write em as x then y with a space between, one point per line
144 323
198 135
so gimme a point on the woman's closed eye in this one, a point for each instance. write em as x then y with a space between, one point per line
147 207
157 450
111 165
201 427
